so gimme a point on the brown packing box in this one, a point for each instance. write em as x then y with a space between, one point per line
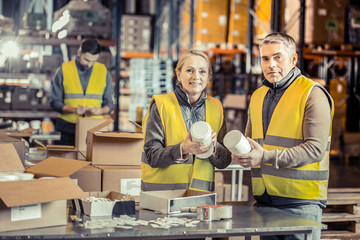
324 24
238 20
88 178
18 144
235 101
123 179
113 148
171 201
39 202
82 126
224 193
61 151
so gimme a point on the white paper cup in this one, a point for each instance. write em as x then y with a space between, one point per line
201 132
236 142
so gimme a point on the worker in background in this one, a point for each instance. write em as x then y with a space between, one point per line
82 87
289 128
169 159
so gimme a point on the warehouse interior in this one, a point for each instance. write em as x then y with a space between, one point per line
141 43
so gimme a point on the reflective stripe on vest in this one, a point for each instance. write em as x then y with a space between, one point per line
285 131
195 173
74 94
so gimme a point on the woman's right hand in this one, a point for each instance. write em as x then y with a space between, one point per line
188 146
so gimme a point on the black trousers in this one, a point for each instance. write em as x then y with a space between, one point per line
67 130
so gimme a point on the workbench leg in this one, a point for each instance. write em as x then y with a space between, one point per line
233 183
308 236
247 237
240 182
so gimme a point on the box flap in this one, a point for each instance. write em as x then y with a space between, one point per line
18 193
59 167
6 138
10 160
127 135
100 126
60 147
20 134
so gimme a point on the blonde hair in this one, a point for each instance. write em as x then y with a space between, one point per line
190 53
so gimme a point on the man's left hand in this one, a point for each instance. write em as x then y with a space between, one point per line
95 111
253 158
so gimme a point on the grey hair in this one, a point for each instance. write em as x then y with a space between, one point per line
278 37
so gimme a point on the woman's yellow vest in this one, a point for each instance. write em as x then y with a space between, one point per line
74 94
285 130
197 174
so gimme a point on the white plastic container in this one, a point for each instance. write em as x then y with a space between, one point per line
236 142
201 132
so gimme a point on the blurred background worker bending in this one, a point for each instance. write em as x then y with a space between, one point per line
82 87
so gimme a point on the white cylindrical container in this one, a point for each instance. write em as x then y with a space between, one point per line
201 132
5 177
236 142
25 176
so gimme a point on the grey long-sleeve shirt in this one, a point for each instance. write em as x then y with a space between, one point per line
159 155
316 126
57 88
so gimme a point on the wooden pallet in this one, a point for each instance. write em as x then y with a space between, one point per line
342 214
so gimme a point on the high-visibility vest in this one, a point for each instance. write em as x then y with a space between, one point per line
285 130
197 174
73 91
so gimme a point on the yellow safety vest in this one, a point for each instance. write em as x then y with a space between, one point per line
196 175
74 94
285 131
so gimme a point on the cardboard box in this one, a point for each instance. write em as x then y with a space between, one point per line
235 101
18 144
210 21
238 21
113 148
117 205
62 151
81 128
39 202
88 178
123 179
325 21
224 193
171 201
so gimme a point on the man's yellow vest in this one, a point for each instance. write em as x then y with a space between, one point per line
285 131
196 175
73 91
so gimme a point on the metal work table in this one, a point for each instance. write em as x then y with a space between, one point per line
247 221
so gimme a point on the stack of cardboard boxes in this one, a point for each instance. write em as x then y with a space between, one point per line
39 202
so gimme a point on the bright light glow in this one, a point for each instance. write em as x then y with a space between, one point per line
10 49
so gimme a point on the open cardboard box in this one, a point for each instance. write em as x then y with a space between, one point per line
83 125
113 148
62 151
117 206
171 201
39 202
18 144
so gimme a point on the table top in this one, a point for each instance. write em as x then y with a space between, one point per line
246 221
